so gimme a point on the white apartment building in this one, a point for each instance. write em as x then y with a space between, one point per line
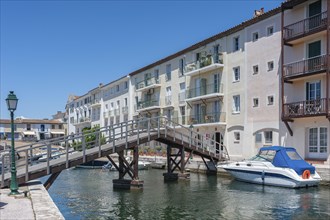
305 82
226 87
115 102
238 87
102 106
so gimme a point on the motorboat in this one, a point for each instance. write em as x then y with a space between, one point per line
142 165
276 166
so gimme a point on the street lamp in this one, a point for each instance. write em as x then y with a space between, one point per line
12 104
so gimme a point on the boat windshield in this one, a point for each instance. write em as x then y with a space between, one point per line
293 155
266 155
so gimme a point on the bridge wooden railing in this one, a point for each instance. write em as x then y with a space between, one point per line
80 145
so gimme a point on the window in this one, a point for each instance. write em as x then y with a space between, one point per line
268 137
313 90
71 120
258 138
236 43
323 140
255 36
270 100
237 136
236 104
255 69
60 127
270 65
117 88
270 30
168 72
28 127
53 126
236 74
255 102
181 67
126 85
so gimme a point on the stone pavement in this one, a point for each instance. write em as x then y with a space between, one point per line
36 205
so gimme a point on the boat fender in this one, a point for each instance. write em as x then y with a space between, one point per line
306 174
263 177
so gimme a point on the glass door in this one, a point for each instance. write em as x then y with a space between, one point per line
318 143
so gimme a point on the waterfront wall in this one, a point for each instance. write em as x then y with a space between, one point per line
42 204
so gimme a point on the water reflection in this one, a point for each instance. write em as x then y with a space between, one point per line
88 194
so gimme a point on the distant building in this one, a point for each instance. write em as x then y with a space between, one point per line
31 129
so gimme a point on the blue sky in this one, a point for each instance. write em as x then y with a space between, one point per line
51 49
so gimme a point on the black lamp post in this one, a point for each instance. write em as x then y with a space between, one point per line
12 104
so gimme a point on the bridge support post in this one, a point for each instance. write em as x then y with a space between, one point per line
183 174
130 168
175 161
169 176
211 167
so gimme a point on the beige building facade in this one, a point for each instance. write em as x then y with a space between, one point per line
239 87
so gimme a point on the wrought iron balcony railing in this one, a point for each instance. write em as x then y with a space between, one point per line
147 104
309 66
305 27
204 90
307 108
147 82
82 120
203 61
213 117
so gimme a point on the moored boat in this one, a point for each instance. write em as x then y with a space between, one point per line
277 166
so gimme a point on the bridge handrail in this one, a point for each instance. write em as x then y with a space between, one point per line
109 134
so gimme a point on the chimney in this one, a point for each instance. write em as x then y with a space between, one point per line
257 13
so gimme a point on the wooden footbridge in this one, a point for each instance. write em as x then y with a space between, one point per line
110 140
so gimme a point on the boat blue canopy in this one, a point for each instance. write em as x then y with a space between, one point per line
287 157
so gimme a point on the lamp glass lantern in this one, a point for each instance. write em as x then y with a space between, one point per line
11 101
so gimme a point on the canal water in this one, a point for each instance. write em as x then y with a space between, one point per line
89 194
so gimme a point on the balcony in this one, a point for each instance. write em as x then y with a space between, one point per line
305 27
148 83
95 102
82 120
208 118
124 110
204 92
305 67
147 105
204 64
309 108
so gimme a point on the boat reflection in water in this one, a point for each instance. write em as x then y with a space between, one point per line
277 166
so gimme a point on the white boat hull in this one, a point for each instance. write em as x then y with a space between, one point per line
274 176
